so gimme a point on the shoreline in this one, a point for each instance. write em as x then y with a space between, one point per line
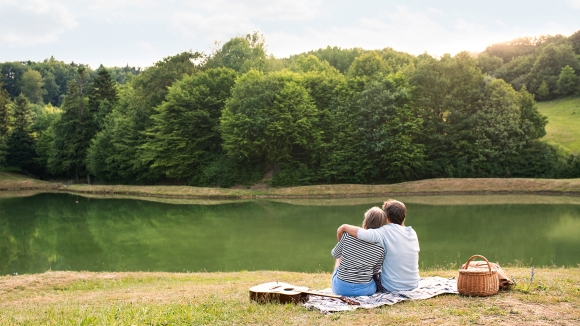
429 187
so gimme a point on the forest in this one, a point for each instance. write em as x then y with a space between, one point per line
238 116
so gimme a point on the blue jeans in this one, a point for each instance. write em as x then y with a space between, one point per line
344 288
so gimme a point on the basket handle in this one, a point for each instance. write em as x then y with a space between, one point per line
480 256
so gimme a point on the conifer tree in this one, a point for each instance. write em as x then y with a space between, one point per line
4 120
71 134
102 97
20 142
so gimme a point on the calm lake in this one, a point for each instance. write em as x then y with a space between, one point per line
69 232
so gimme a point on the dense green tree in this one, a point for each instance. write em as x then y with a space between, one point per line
72 132
547 67
446 91
575 41
543 91
343 159
102 96
516 71
42 127
512 49
368 64
567 81
114 152
272 118
20 143
533 124
56 75
52 90
151 86
488 63
320 79
11 72
339 58
390 130
396 60
31 85
241 54
276 64
496 130
185 127
4 123
122 75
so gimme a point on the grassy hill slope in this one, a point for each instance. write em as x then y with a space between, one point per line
15 181
563 129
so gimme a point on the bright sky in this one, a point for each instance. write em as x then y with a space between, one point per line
141 32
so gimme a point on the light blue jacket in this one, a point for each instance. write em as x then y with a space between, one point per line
400 270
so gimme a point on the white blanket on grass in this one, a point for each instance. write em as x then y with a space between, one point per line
428 288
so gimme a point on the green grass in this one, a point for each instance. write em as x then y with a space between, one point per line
84 298
5 175
17 181
563 129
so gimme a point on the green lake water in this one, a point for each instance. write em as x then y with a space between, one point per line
68 232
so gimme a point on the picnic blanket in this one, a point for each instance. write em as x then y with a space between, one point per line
428 288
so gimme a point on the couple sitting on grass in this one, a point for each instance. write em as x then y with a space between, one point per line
383 246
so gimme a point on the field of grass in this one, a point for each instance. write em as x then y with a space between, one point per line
84 298
563 129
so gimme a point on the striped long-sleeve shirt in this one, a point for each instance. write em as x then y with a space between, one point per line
359 259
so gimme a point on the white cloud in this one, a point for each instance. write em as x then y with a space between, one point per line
111 5
286 10
401 29
30 22
146 47
219 26
223 19
574 3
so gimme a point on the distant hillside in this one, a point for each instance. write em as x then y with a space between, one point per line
563 129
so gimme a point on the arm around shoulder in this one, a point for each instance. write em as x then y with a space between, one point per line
350 229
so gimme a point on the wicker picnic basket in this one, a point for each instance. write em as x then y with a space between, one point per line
476 281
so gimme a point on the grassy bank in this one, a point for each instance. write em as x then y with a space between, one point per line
467 186
563 129
423 187
83 298
14 181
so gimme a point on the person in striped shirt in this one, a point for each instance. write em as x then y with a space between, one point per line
400 270
357 260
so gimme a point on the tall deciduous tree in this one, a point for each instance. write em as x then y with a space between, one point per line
390 130
446 91
20 142
567 81
241 54
488 63
533 123
185 128
31 85
272 118
368 64
548 66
